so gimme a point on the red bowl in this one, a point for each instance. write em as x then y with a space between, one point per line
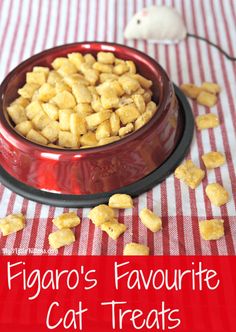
94 170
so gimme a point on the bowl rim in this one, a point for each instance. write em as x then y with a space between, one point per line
26 145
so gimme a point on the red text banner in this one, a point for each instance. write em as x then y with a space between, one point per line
196 294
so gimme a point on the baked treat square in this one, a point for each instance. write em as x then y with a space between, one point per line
136 249
213 159
217 194
207 121
12 223
212 229
190 174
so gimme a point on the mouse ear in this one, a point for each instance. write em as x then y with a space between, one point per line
145 12
164 25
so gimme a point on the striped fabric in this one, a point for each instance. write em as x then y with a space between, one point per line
28 27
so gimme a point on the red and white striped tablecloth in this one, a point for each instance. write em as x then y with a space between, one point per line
28 27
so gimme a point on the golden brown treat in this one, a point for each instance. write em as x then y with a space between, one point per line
64 119
108 140
217 194
51 131
212 229
77 59
103 68
33 109
113 228
190 174
66 220
89 58
64 99
206 121
151 107
147 95
115 124
191 90
53 78
126 130
17 113
127 113
68 140
40 69
100 214
213 159
144 82
36 137
120 201
28 90
62 237
62 86
143 119
46 92
136 249
75 79
131 66
88 139
206 99
81 93
106 57
120 68
109 99
40 121
51 145
24 127
36 78
21 101
67 69
129 84
211 87
139 103
84 109
103 130
91 75
12 223
107 77
59 62
150 220
51 110
95 119
78 125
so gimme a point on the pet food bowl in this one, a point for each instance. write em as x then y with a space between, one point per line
86 177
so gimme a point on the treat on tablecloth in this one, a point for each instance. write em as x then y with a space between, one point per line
204 94
101 214
217 194
66 220
150 220
120 201
12 223
213 159
190 90
62 237
207 121
136 249
212 229
190 174
206 99
211 87
113 228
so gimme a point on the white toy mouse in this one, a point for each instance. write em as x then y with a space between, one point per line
162 24
158 24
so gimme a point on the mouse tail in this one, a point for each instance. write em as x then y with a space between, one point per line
212 44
